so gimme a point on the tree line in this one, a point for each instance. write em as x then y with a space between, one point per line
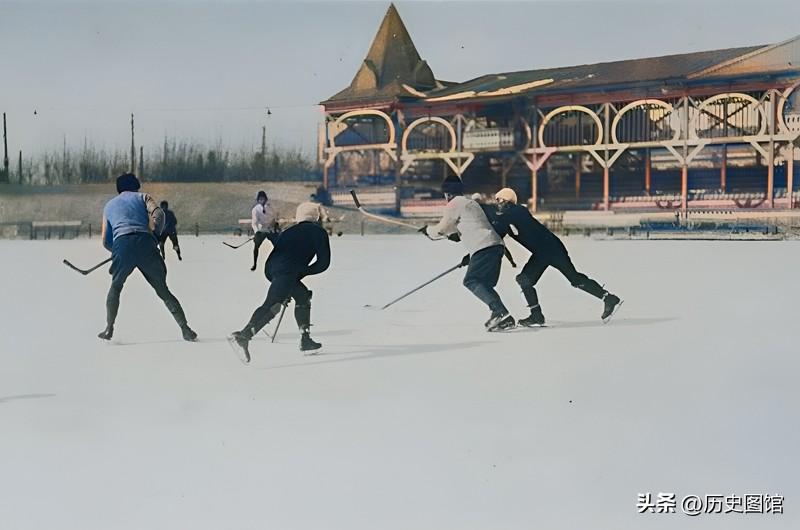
177 161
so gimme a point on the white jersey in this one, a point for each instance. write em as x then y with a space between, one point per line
466 218
263 218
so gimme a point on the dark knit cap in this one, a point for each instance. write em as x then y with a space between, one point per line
127 182
452 185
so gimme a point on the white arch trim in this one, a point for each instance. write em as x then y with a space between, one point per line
727 95
579 108
434 119
638 103
368 112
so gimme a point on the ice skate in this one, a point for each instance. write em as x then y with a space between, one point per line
240 346
612 303
107 333
188 334
308 345
500 322
536 318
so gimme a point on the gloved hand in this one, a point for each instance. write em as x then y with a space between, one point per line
464 261
454 237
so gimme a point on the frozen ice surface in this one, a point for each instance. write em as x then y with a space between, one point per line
414 417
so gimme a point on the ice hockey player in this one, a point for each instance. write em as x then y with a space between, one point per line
547 250
290 262
130 222
170 231
465 221
265 224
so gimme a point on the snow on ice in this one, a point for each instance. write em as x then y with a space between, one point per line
413 417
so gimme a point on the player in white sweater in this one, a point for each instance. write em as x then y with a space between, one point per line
464 220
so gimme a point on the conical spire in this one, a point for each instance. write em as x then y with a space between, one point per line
392 61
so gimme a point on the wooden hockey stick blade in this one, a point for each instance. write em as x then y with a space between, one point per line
240 245
86 271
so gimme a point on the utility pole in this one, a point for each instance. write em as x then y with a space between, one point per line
19 168
133 149
5 150
141 162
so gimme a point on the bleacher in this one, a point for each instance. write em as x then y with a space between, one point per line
47 229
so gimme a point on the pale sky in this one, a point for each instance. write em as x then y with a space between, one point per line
206 71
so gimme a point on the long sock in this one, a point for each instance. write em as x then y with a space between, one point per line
302 315
112 306
592 287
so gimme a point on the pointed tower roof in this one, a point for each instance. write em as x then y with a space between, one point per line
391 63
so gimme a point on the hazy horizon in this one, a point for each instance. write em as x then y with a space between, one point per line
207 71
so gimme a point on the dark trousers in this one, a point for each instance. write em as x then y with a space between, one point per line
173 237
281 289
558 258
482 275
259 238
139 251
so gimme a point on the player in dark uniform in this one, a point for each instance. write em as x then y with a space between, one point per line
547 250
170 231
290 262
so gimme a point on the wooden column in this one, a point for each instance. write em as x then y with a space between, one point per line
578 158
648 168
790 176
534 187
684 187
606 168
684 164
771 152
771 175
723 170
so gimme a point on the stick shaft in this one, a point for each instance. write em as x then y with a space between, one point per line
278 325
379 217
448 271
388 220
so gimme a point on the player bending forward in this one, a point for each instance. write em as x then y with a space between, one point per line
547 250
290 262
465 221
170 231
265 224
130 221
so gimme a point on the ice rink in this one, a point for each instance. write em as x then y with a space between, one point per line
413 417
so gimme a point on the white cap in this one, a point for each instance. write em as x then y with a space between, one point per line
476 196
506 194
307 211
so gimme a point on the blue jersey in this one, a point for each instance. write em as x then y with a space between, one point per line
127 213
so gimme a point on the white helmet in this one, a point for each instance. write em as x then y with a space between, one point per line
506 194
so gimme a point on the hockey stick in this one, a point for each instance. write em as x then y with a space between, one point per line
86 271
389 220
280 319
239 245
448 271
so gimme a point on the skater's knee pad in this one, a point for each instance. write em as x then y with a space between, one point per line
523 280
